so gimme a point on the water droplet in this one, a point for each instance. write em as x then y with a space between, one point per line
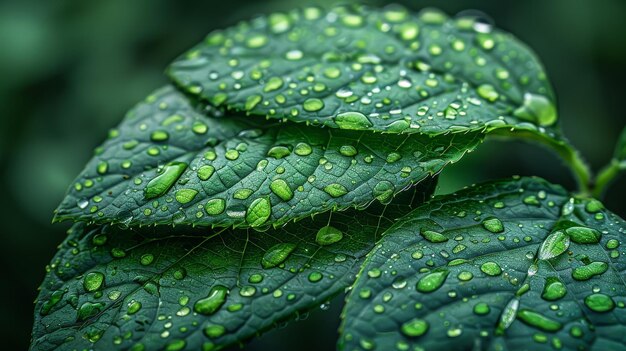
313 105
335 190
88 310
409 31
433 237
493 225
315 277
594 206
352 20
599 303
184 196
146 259
554 289
82 203
205 172
481 309
277 254
538 109
555 244
583 235
274 83
93 281
212 303
214 331
231 154
432 281
328 235
393 157
588 271
256 41
491 268
488 92
465 276
215 206
252 101
160 184
259 212
303 149
537 320
348 150
199 127
414 328
159 135
508 316
353 121
133 307
281 189
278 152
103 167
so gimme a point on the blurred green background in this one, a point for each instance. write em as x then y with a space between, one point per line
70 69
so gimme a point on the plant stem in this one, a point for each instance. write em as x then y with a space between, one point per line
580 170
605 177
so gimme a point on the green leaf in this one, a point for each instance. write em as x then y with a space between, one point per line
167 163
517 265
385 70
162 288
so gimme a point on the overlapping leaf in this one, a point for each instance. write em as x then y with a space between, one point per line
364 69
511 265
167 163
192 289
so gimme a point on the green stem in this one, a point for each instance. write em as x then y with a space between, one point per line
580 170
605 177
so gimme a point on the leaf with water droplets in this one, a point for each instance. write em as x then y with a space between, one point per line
487 269
366 69
151 287
244 172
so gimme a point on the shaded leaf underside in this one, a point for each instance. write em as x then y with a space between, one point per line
167 163
150 289
507 265
388 70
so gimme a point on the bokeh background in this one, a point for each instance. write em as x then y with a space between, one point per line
69 69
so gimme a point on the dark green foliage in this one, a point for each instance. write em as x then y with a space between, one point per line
202 224
521 265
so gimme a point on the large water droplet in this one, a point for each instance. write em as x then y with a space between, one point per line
335 190
281 189
160 184
278 152
554 289
414 328
93 281
599 303
538 109
491 268
433 237
277 254
215 206
583 235
212 303
537 320
589 271
353 121
493 225
328 235
432 281
313 105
